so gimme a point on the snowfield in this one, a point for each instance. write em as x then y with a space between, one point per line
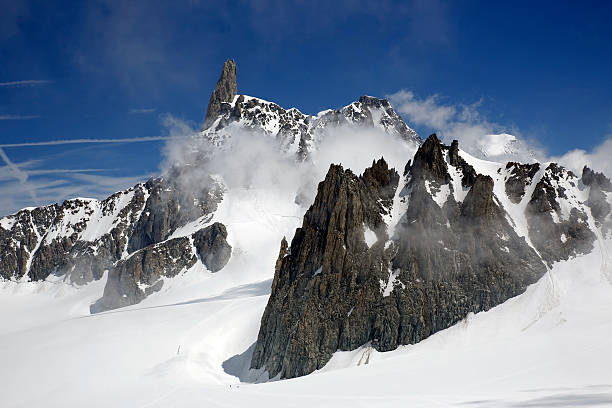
189 344
186 345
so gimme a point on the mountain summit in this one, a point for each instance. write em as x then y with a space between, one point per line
225 91
296 133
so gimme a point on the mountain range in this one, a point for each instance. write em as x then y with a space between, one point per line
367 259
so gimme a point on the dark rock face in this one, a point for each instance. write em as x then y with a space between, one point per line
212 247
55 239
167 208
361 114
600 207
20 236
328 258
469 174
125 234
555 236
297 132
521 175
331 291
224 92
590 177
134 278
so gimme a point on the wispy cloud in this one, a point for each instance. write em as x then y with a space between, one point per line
19 117
85 141
597 158
21 187
37 182
141 111
26 82
479 136
476 133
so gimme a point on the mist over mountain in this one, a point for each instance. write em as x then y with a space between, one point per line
276 244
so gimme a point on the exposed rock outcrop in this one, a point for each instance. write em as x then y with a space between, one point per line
224 92
136 277
558 232
521 175
600 197
332 291
328 260
469 174
81 238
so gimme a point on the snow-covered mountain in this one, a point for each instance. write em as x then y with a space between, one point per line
504 145
431 277
296 133
82 238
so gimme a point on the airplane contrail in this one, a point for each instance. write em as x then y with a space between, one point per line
19 174
83 141
26 82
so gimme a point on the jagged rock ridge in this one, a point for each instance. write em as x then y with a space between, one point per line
225 91
82 238
296 133
134 278
452 251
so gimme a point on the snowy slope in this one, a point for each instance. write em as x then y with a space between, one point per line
188 344
547 346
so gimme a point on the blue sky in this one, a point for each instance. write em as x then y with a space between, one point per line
116 69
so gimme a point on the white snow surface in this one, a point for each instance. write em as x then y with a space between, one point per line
369 236
549 344
190 344
439 195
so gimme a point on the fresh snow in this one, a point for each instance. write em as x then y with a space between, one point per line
387 288
7 222
459 192
439 195
548 344
190 344
369 236
499 174
497 145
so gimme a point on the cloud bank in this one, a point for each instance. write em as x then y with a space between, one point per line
476 134
489 140
252 160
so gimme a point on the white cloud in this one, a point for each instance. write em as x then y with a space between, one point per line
598 159
483 138
475 133
251 160
429 111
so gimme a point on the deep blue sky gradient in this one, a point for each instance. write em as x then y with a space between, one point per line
541 67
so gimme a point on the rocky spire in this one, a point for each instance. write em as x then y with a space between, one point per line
225 91
332 290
